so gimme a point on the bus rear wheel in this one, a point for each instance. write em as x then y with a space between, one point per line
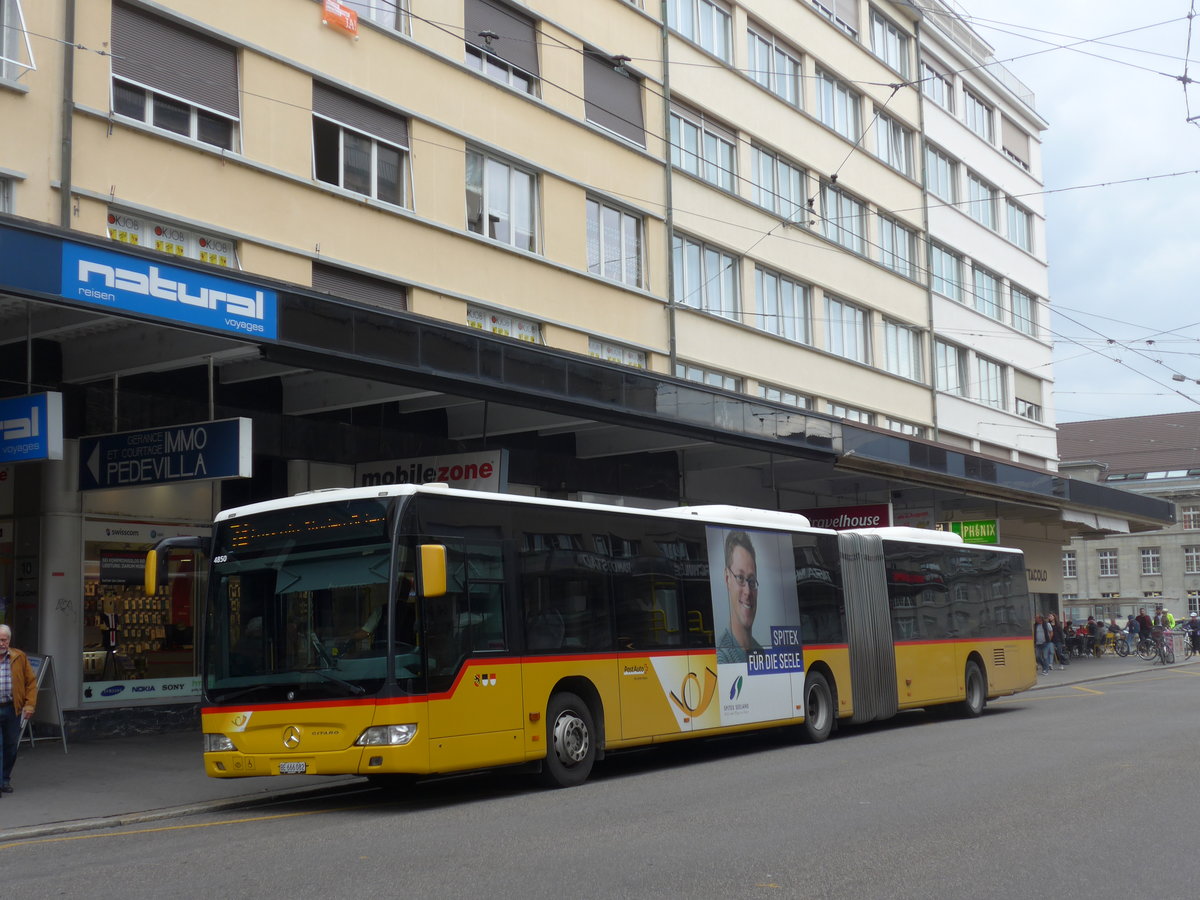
976 695
818 708
570 741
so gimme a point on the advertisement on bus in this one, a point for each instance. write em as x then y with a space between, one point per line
756 617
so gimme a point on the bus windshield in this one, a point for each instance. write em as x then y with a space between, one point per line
298 605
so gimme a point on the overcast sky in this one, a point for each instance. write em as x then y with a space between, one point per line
1124 257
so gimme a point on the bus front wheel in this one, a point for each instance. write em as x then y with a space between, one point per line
570 741
818 708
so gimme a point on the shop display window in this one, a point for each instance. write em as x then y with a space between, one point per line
129 635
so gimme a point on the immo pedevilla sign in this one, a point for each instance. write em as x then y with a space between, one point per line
202 451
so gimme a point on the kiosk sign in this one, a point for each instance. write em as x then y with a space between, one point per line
199 452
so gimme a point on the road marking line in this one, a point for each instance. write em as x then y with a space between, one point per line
82 837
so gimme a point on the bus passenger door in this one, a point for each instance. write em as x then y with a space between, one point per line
475 691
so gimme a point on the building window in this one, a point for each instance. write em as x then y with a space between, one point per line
502 44
950 367
909 429
782 305
1108 563
1193 601
897 247
850 414
842 13
978 115
358 286
616 353
778 185
1029 410
705 22
847 330
838 106
16 52
702 148
504 325
359 146
902 350
501 201
937 84
173 239
1151 561
1024 311
774 65
784 396
708 376
7 204
981 201
1191 560
614 243
991 388
1020 225
173 78
987 293
945 268
391 14
1015 143
1190 516
889 43
844 219
612 97
706 277
894 143
1069 564
941 173
1149 595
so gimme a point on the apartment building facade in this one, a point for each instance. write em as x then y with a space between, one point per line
647 253
1117 574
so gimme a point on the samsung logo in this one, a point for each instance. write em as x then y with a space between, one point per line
112 691
151 283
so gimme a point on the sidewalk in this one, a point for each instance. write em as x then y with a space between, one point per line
121 781
124 781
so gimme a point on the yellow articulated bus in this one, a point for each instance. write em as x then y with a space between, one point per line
407 631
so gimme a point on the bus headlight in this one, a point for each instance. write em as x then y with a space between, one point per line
386 735
217 743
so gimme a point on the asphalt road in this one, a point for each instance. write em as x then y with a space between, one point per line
1078 791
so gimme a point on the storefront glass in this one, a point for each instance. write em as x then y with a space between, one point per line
138 647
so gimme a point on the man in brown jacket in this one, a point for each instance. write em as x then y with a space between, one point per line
18 696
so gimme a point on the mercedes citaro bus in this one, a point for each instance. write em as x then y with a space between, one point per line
407 631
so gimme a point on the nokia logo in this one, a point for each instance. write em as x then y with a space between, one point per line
151 283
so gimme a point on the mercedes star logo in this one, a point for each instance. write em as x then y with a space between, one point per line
291 737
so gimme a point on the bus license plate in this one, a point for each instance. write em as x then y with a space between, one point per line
293 768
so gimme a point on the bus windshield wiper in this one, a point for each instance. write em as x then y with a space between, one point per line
228 698
352 688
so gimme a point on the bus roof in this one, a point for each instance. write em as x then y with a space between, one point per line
725 514
721 514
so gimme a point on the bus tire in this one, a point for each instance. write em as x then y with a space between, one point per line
976 692
570 741
818 708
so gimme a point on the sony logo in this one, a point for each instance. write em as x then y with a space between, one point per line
21 427
153 284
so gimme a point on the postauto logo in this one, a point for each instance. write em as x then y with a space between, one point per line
114 280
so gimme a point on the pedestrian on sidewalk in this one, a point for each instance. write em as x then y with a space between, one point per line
1060 650
1043 644
18 697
